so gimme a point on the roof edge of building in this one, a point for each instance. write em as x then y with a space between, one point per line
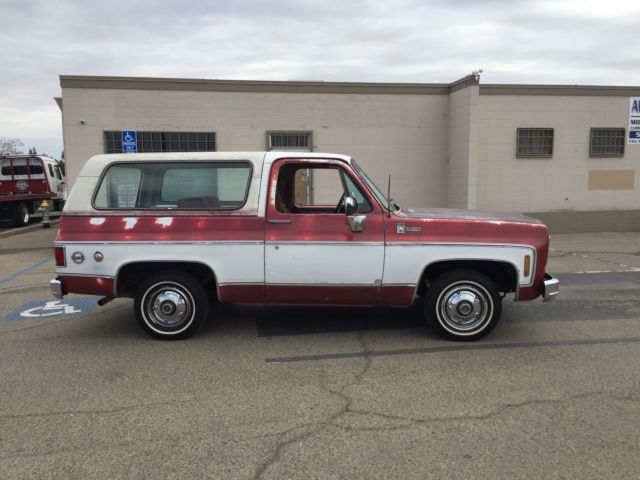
299 86
146 83
561 90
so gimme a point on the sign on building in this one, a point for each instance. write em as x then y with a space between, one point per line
634 120
129 141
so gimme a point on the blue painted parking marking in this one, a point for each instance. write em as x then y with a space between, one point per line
26 270
38 309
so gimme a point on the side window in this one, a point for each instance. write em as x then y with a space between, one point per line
175 185
58 173
353 191
119 187
51 174
319 190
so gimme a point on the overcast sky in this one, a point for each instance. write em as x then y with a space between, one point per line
572 42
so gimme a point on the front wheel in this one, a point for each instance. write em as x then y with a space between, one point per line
171 306
463 305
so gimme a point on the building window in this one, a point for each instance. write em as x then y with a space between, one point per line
606 142
534 142
286 140
163 142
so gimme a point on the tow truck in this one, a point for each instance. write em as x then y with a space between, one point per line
26 181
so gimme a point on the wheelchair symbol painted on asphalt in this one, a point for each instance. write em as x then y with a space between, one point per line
40 309
55 307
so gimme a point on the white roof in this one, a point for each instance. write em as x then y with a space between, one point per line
96 164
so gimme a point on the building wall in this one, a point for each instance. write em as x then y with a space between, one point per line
399 134
561 182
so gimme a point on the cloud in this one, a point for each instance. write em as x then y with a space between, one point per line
559 41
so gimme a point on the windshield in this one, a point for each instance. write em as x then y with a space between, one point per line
382 198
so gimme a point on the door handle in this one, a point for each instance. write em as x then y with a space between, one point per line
275 220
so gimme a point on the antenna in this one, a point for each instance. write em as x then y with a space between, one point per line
389 197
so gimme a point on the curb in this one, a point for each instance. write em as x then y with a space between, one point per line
30 228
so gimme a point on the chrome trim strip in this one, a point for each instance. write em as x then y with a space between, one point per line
165 242
475 244
64 274
298 242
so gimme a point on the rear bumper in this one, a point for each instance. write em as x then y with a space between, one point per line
551 287
55 286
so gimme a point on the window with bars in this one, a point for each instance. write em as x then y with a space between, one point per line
534 142
163 141
606 142
288 140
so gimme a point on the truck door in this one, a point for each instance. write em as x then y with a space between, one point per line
314 252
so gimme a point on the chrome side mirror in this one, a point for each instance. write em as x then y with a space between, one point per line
356 222
350 206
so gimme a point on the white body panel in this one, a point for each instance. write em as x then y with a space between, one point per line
328 263
237 262
405 262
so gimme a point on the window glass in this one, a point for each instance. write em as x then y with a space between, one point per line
534 142
355 192
163 141
119 187
316 190
607 142
51 171
170 185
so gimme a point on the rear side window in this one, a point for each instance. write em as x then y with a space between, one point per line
175 185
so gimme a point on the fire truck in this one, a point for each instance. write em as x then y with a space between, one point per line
26 181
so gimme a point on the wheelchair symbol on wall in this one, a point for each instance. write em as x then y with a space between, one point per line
49 309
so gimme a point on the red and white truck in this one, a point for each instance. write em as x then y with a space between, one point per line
177 230
25 182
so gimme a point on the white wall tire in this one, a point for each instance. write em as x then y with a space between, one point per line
171 306
463 305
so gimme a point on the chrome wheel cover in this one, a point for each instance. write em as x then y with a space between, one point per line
168 307
464 307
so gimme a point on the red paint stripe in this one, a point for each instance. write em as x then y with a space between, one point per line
120 228
87 285
241 293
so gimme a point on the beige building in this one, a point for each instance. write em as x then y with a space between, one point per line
557 152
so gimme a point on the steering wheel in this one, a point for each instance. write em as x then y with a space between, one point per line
340 206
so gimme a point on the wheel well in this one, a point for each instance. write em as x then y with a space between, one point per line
503 274
131 275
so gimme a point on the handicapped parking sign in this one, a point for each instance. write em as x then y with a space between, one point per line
39 309
129 141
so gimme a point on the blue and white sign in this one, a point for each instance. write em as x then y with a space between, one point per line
129 141
39 309
634 120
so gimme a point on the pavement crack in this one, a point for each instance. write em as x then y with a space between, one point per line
282 443
83 412
494 412
311 429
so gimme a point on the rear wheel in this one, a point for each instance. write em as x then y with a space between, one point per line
463 305
171 306
21 215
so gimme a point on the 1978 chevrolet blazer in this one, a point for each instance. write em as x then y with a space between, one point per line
176 230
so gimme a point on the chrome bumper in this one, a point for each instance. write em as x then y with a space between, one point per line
551 287
56 288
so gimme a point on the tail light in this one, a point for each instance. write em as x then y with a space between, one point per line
60 257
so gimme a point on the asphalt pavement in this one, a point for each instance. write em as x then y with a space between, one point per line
553 392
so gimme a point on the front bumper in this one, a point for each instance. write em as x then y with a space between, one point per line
551 287
55 286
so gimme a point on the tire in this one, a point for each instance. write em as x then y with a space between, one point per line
171 305
21 215
463 305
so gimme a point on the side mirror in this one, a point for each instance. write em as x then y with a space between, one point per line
350 206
